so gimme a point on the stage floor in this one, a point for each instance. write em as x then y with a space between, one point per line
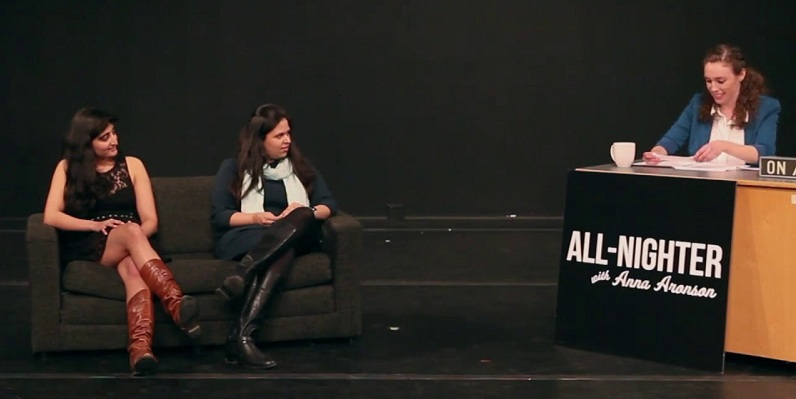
460 313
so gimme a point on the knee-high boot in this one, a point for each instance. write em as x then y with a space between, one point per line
140 327
241 348
280 235
182 308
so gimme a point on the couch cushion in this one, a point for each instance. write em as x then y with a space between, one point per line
299 302
308 271
183 205
202 274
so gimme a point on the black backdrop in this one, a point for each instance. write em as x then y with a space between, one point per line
451 107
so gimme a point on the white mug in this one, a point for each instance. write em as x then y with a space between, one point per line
623 153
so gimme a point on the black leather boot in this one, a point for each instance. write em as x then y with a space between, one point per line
280 235
241 348
243 351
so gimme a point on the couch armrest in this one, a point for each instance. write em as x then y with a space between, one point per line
342 240
44 274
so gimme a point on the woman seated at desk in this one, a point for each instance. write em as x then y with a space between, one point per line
732 122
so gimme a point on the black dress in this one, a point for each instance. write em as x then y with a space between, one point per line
118 203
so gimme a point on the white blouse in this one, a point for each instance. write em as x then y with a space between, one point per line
723 129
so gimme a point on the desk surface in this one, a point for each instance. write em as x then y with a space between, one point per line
743 177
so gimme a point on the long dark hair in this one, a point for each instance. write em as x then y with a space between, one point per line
752 86
83 188
251 155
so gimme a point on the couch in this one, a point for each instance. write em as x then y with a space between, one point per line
81 305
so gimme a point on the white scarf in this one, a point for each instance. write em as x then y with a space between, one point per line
253 201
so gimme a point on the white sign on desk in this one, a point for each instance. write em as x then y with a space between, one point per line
669 258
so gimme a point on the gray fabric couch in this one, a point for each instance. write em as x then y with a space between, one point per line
83 307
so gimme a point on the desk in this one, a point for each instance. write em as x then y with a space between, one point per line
751 221
761 308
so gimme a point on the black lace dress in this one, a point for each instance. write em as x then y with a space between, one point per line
118 203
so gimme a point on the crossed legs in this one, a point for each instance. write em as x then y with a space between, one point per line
144 273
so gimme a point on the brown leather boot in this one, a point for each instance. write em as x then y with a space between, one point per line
181 308
140 325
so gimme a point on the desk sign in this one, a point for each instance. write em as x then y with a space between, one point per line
780 167
645 267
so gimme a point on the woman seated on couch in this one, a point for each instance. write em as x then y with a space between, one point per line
102 204
267 204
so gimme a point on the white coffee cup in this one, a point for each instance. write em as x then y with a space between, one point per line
623 153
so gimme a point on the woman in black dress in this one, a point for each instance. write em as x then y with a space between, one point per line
102 204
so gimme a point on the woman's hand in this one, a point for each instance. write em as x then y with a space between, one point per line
710 151
264 218
290 208
652 156
105 226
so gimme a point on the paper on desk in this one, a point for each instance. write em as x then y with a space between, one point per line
668 161
749 167
674 160
688 163
715 167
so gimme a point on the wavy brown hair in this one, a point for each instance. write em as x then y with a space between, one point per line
752 86
251 155
83 188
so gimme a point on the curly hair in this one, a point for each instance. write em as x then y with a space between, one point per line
752 86
251 155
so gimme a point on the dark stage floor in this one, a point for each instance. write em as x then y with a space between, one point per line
462 313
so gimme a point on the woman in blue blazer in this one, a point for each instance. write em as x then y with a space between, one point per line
731 122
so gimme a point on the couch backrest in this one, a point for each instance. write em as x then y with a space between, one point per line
183 205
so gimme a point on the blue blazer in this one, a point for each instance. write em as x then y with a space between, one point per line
760 131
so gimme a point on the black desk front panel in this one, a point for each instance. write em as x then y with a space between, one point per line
645 267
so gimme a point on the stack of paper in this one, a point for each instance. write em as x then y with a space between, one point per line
688 163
